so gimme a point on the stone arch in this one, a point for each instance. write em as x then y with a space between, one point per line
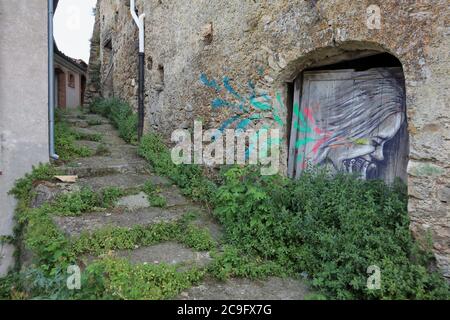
326 55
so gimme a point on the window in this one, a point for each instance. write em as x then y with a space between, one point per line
71 80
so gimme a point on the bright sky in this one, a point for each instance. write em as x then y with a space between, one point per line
73 26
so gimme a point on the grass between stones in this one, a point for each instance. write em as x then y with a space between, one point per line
65 138
104 278
155 199
328 230
65 143
94 122
116 238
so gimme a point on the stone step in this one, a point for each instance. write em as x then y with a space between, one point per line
171 253
139 201
245 289
107 131
90 222
167 253
47 191
78 123
105 165
124 181
123 168
105 128
91 145
134 202
206 220
95 118
81 115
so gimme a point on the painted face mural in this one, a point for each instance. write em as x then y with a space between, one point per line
356 124
363 156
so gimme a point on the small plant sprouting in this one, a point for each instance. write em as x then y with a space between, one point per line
152 193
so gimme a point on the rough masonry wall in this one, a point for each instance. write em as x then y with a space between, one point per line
93 80
269 43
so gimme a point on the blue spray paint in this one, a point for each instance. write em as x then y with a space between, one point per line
245 104
210 83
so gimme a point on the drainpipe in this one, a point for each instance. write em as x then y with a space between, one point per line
51 84
140 24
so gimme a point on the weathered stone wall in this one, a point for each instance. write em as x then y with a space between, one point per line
271 42
93 81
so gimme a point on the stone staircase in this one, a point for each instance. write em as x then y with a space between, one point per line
123 168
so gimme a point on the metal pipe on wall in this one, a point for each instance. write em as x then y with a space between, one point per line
51 83
141 114
140 23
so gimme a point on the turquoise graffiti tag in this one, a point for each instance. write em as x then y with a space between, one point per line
251 108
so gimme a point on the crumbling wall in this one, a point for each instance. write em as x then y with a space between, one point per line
93 79
269 43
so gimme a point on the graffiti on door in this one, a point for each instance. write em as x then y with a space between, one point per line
343 120
355 124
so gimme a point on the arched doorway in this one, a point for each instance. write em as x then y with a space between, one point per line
60 86
351 116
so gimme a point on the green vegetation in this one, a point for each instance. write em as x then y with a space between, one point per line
102 150
10 287
95 73
326 230
105 278
93 122
85 200
232 262
158 201
115 238
154 198
121 116
330 229
66 137
127 281
23 187
65 143
109 196
96 137
188 177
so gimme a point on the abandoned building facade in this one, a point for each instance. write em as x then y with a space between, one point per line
361 86
70 80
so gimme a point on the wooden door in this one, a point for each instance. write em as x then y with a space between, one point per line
61 88
352 121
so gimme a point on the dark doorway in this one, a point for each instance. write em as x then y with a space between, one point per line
82 89
60 88
108 69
